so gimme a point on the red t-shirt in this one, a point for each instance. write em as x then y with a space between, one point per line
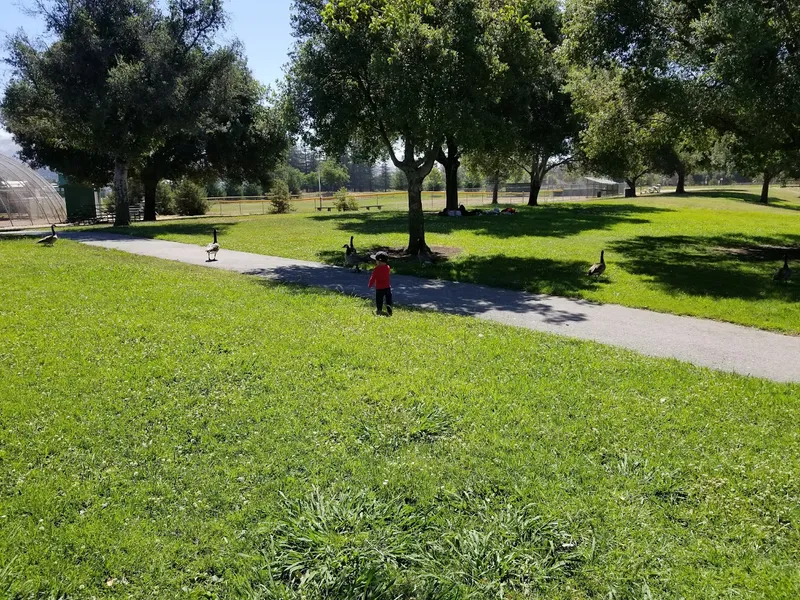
380 277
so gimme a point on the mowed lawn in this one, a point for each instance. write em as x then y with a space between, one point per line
169 431
709 255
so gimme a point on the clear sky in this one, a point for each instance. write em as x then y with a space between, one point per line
261 25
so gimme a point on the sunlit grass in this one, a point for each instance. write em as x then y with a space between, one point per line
174 432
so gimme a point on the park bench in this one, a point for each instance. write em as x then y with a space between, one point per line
328 208
378 206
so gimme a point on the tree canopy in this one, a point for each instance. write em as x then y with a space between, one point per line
128 86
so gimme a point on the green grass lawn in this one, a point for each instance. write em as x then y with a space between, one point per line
175 432
712 254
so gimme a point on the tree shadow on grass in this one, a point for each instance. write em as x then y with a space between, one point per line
747 197
553 220
426 292
722 266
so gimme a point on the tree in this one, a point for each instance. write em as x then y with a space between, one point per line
113 77
620 139
399 180
225 129
233 188
657 103
294 178
368 74
435 181
535 122
334 176
750 60
214 189
491 167
252 189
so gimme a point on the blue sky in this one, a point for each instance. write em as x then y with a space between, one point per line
261 25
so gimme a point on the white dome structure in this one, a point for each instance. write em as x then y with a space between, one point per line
26 198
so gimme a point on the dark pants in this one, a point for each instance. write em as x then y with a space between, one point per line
380 296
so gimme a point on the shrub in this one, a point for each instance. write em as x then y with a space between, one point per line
190 199
280 197
165 199
343 201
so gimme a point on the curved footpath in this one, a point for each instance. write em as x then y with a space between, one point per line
702 342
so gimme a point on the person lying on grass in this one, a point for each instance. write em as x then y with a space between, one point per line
380 281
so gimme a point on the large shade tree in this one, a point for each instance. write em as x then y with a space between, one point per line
226 130
473 80
397 78
639 54
113 77
363 75
750 58
537 125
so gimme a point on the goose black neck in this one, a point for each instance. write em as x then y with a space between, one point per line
215 236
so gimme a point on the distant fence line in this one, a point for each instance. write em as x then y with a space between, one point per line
391 200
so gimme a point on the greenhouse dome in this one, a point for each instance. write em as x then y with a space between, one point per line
26 198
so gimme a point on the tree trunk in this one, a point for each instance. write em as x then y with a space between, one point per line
765 187
416 218
451 162
533 197
150 187
632 185
451 183
536 186
495 187
681 189
122 216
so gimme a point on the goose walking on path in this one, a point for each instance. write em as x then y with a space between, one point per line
50 239
212 249
598 269
784 273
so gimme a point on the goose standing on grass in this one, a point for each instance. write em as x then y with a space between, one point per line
212 248
784 273
599 268
351 257
423 254
50 239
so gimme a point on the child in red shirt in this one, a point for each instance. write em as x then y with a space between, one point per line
380 281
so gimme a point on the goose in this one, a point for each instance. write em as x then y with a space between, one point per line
423 254
351 257
784 273
212 248
50 239
599 268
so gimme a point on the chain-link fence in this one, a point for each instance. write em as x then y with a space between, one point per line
394 200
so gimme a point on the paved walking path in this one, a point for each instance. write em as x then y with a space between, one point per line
702 342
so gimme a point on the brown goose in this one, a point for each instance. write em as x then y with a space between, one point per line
784 273
599 268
